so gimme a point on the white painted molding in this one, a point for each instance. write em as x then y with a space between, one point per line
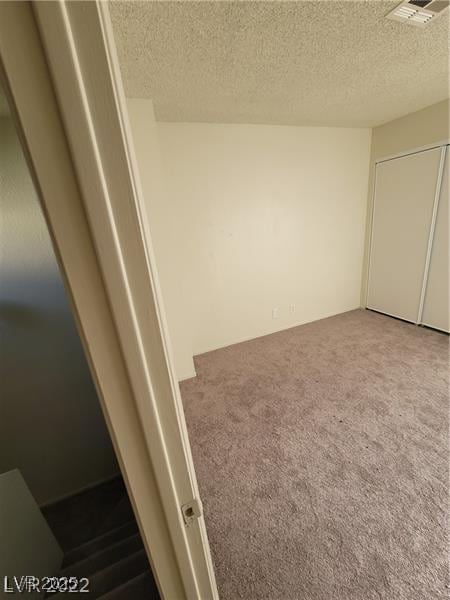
90 195
426 271
80 50
431 146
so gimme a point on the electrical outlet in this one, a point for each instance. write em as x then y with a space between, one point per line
292 308
275 313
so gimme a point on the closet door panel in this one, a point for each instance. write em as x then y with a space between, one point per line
403 206
436 306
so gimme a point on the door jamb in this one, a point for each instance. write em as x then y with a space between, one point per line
86 176
437 199
415 150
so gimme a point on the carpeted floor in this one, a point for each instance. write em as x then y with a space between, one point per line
322 459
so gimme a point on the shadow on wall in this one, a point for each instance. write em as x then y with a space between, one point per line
51 425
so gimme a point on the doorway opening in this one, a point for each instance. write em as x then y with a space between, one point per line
65 514
314 424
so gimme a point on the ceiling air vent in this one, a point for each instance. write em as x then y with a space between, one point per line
418 12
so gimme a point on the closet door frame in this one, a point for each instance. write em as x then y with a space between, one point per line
444 156
437 198
437 193
415 150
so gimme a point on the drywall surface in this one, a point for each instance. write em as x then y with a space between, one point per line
51 425
162 220
427 126
262 218
423 127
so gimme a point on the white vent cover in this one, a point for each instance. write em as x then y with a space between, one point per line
418 12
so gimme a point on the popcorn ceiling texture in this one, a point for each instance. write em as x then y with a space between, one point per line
334 63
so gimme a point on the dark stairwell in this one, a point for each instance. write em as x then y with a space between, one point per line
101 541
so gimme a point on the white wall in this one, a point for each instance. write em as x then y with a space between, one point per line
266 217
51 425
162 218
259 217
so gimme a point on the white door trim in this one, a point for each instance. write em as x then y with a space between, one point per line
372 220
426 270
443 145
85 171
431 146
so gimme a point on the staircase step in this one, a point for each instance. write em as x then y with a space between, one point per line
88 514
105 557
99 543
142 587
114 575
120 572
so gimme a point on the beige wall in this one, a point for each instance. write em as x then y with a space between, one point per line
426 126
254 218
163 221
51 426
266 217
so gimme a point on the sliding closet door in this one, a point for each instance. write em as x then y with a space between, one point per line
403 207
436 306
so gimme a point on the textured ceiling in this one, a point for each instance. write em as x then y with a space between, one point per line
338 63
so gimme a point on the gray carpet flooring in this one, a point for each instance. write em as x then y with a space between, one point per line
322 459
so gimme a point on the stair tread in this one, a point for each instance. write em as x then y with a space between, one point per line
118 573
142 587
89 514
99 543
104 557
115 575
